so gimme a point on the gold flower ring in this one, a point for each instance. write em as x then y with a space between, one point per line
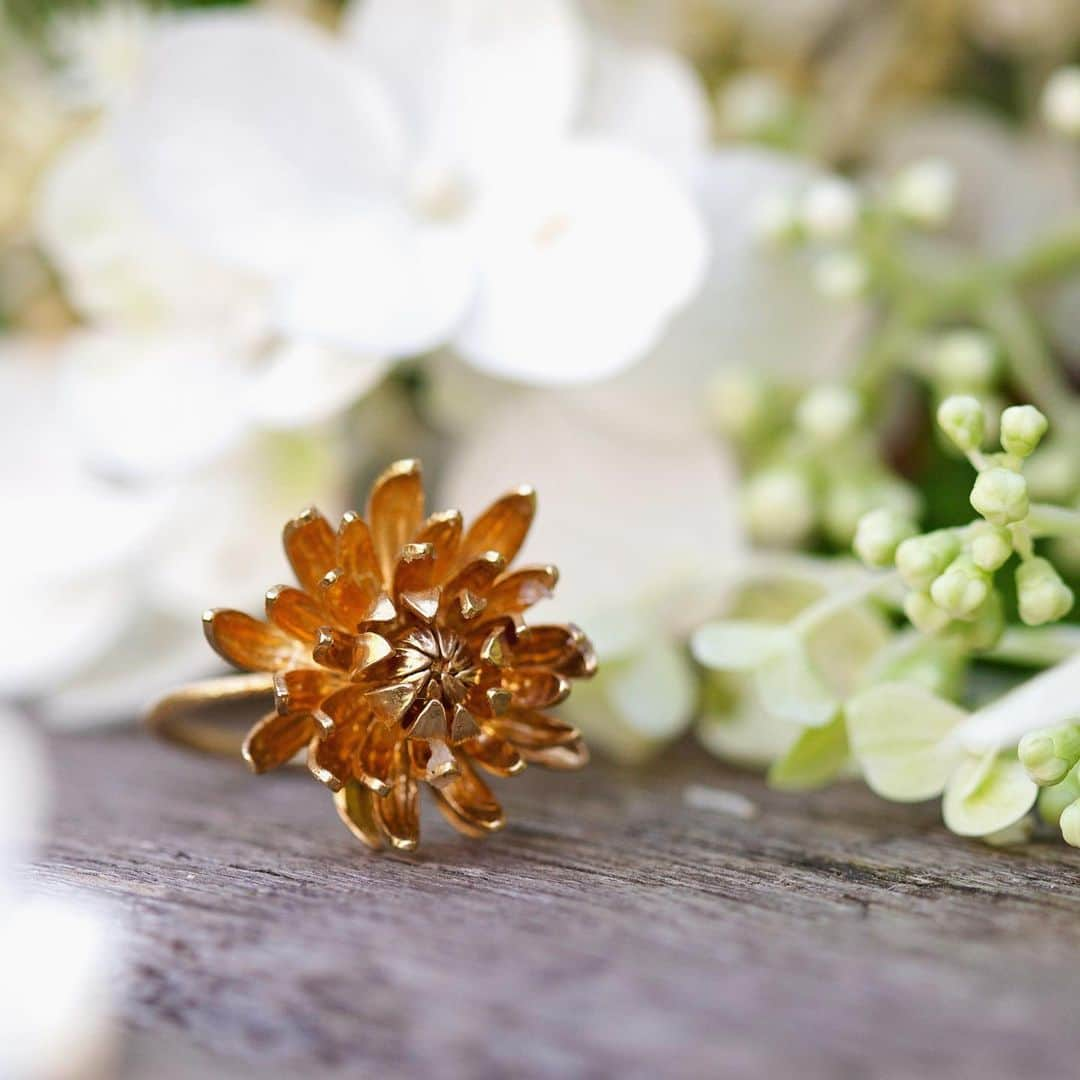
402 659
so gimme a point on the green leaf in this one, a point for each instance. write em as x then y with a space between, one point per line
738 645
899 736
791 689
987 793
817 757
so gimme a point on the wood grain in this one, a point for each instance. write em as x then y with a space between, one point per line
616 928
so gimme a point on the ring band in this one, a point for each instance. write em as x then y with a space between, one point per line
175 716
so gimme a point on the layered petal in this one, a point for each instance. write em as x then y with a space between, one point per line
468 804
585 258
355 805
501 528
276 739
310 548
248 643
395 512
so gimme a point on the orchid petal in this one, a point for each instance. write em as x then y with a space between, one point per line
584 259
652 100
249 129
478 81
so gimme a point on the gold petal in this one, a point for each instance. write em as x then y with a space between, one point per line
303 689
310 547
443 532
348 600
395 512
498 700
518 591
563 649
494 754
424 604
414 571
502 527
294 612
476 576
535 689
398 813
390 703
335 649
348 706
430 723
355 549
572 755
332 759
468 804
249 644
529 730
355 806
375 758
370 649
277 739
464 725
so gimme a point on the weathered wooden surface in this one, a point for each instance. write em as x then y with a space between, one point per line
614 929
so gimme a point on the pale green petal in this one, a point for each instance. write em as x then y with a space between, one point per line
791 689
636 704
842 647
737 645
899 736
746 734
986 794
817 757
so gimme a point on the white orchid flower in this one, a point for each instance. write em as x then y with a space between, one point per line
108 589
428 177
167 316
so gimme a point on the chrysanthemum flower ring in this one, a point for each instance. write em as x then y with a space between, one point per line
402 660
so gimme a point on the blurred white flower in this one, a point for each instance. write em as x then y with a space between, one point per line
109 567
925 192
830 208
727 324
394 205
1061 101
168 317
753 102
637 513
56 982
1011 189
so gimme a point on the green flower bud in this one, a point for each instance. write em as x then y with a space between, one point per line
961 417
1054 799
964 358
1043 597
738 404
1000 495
984 628
990 548
878 535
1070 824
962 589
778 507
923 558
1022 427
828 413
924 614
1050 754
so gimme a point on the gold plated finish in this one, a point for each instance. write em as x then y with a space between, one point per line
401 660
